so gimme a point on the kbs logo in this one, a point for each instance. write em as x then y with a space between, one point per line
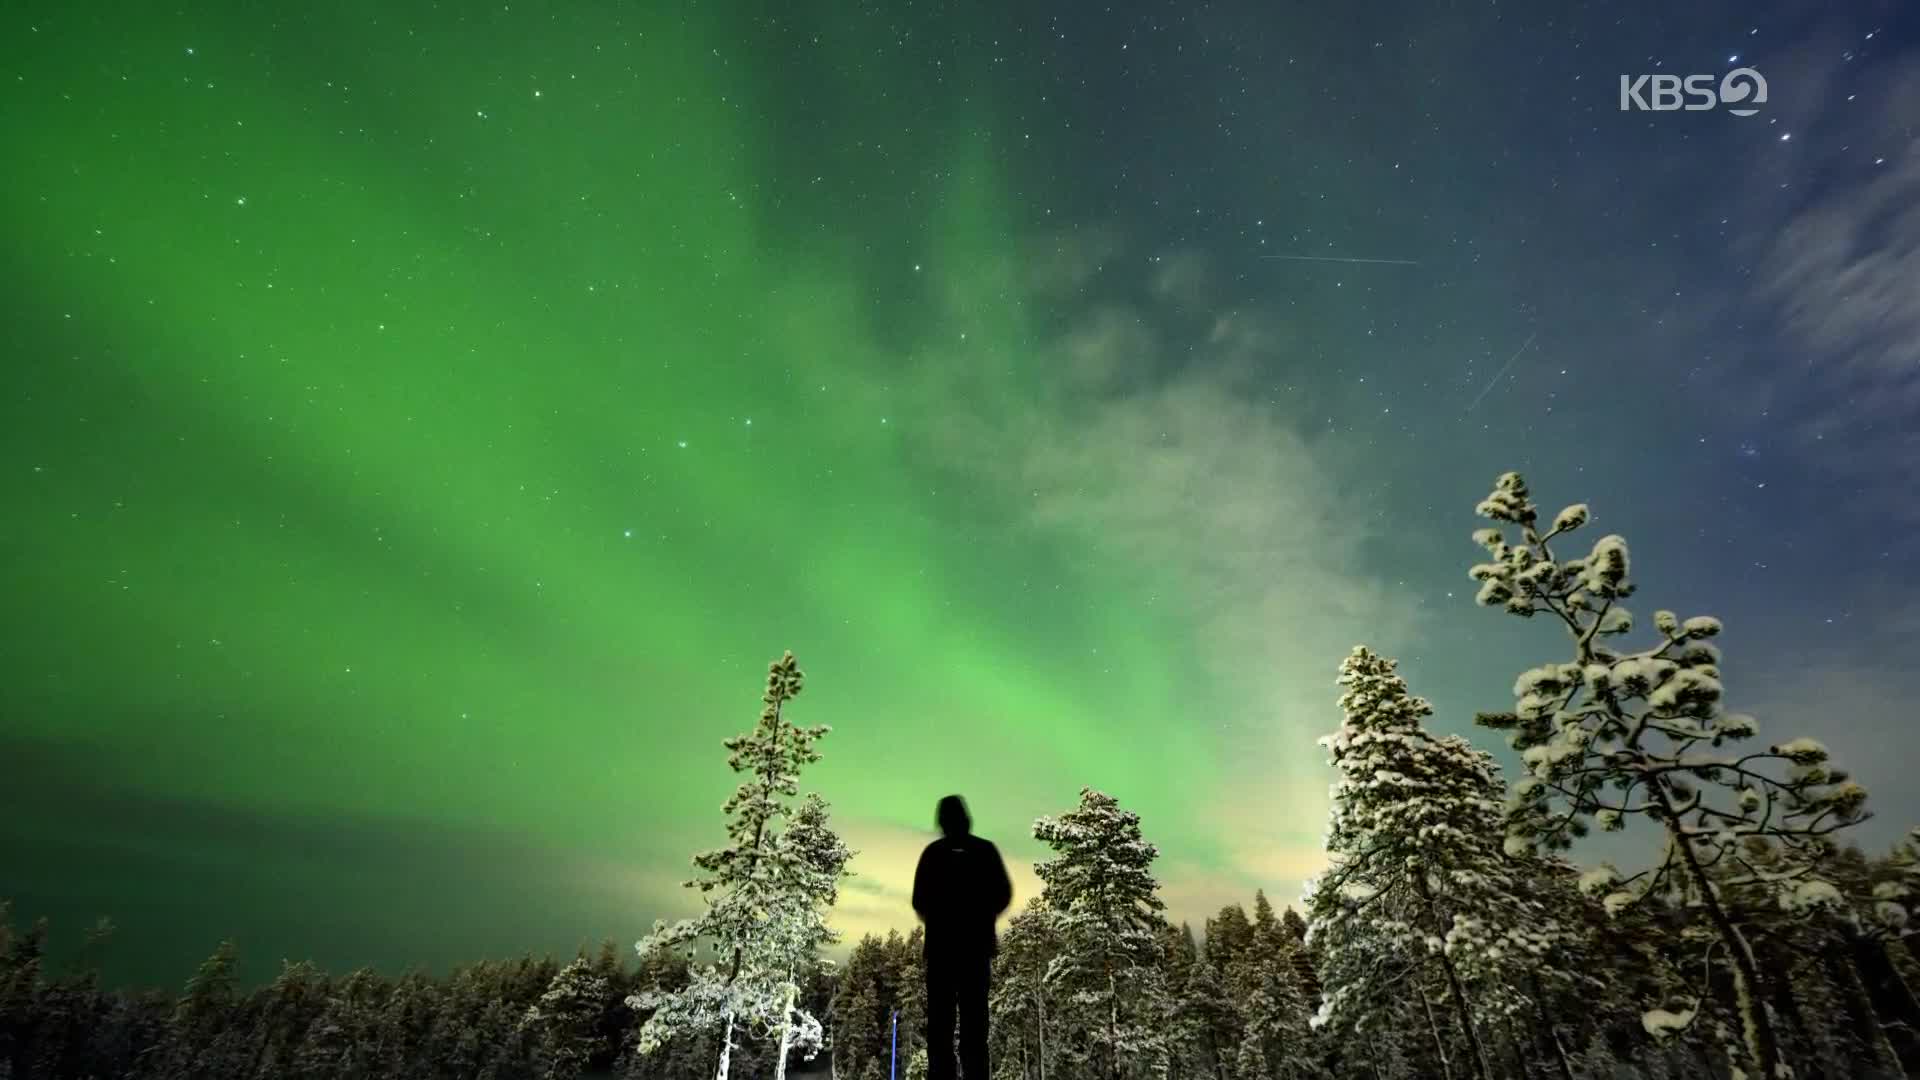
1740 89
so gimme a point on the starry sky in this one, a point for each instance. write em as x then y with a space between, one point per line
425 421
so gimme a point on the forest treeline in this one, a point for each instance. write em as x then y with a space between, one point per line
1452 935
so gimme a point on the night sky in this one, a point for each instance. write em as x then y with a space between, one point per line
423 423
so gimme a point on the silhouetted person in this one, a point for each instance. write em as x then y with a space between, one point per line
959 889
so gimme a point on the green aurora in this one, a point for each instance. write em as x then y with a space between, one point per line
424 422
432 426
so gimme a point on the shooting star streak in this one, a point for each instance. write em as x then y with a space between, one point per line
1503 369
1338 259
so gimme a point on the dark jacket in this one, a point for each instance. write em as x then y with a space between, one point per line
959 889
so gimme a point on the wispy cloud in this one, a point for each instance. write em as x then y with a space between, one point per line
1151 447
1840 275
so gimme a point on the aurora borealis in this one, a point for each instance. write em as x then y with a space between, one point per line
425 421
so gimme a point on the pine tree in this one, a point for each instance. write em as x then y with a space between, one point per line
1273 1024
1418 875
1614 734
860 1009
563 1022
331 1047
1211 1022
1228 934
292 1002
906 986
1304 974
1107 908
201 1042
1020 1005
405 1019
760 914
21 961
817 859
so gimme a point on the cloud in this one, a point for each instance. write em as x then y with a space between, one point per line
1066 264
1841 277
1108 349
1251 531
1182 280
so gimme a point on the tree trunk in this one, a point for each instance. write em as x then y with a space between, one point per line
1041 1000
1892 1000
1548 1028
1439 1047
726 1048
1861 1006
1453 984
1796 1035
753 858
1763 1046
1518 1039
1466 1017
786 1032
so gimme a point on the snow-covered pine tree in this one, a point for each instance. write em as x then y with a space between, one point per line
1227 934
1870 929
291 1004
327 1050
860 1010
202 1041
1211 1023
1273 1022
1108 913
1417 872
817 862
906 982
1018 1004
1614 734
1304 974
562 1023
1179 956
762 911
405 1018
